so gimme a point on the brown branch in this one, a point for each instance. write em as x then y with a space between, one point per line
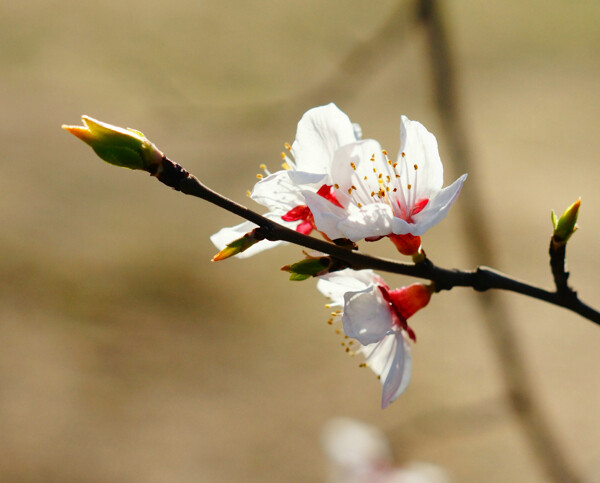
481 279
558 253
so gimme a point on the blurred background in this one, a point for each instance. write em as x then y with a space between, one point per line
127 356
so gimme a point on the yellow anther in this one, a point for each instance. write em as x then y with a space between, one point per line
259 176
343 344
384 152
354 166
248 193
372 193
380 175
409 186
416 166
395 189
397 176
285 166
287 146
349 191
388 178
262 166
338 331
351 354
283 155
365 178
394 165
336 186
374 170
387 188
403 155
390 162
354 187
359 205
330 321
347 349
379 378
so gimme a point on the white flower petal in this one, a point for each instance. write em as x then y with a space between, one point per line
278 192
226 235
390 359
438 206
420 147
301 178
335 285
320 133
325 213
367 316
351 164
401 227
370 220
357 131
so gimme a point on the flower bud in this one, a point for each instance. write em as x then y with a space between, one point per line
307 268
239 245
565 226
127 148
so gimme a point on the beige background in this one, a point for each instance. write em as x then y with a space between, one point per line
125 355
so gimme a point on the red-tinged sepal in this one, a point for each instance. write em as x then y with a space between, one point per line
408 300
407 244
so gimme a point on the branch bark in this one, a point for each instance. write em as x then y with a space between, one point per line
480 279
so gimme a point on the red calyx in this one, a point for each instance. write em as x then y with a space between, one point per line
404 302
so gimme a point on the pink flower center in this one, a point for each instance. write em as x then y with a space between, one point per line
303 213
408 213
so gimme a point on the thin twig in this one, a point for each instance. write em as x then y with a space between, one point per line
558 253
522 400
481 279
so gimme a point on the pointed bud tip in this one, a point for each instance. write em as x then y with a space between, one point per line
565 226
227 252
127 148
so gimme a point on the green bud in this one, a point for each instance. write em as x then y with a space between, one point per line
309 267
239 245
565 226
127 148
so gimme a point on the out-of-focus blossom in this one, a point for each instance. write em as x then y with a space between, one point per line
359 453
377 317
